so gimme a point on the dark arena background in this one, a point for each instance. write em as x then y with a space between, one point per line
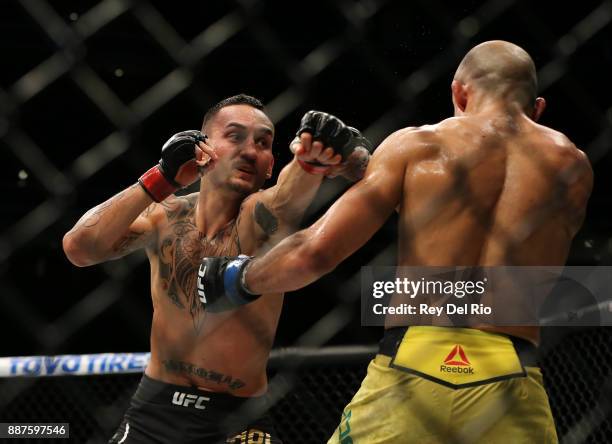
90 91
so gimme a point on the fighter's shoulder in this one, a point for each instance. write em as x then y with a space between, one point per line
415 131
453 125
250 203
561 144
409 139
256 211
178 207
565 154
251 200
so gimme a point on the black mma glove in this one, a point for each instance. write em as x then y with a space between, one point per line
221 284
160 181
332 132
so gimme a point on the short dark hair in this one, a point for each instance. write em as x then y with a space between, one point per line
239 99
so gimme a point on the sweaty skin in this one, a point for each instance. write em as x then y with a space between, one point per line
487 187
222 352
216 351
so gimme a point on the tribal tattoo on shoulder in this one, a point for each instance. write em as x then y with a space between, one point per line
178 208
181 250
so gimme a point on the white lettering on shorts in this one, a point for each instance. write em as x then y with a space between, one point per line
187 400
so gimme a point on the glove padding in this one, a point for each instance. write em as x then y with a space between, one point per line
177 151
357 142
331 131
347 141
220 283
161 180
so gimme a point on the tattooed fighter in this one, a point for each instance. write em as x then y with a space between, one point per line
204 362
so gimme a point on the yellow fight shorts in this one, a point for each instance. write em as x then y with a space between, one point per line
449 385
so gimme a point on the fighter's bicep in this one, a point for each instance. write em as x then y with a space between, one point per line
268 218
141 233
355 217
257 217
265 218
370 200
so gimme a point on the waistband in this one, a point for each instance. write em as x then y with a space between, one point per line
154 391
525 350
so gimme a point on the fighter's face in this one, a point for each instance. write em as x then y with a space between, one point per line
242 137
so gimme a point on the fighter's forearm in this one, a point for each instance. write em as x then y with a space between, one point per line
292 264
100 233
294 191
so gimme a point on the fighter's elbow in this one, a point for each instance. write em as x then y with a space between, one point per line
75 250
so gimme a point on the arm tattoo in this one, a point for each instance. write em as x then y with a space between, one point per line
93 216
207 374
126 241
265 219
149 210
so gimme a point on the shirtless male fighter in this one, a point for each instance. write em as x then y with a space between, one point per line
206 362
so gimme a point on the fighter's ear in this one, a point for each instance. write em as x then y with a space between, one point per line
459 94
270 168
538 109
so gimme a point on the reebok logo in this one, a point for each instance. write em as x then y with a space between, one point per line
457 362
452 359
187 399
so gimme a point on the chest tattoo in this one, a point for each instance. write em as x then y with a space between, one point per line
181 250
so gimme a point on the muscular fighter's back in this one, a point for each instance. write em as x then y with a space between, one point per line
491 189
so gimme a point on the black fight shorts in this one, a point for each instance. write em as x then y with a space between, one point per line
167 413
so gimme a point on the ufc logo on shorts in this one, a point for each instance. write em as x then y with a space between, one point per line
186 400
201 273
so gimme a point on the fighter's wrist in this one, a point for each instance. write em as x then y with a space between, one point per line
243 278
234 278
312 168
156 185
